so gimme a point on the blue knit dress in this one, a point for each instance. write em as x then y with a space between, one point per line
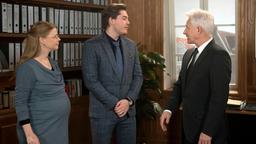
41 97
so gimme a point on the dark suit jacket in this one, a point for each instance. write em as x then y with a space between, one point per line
100 75
204 95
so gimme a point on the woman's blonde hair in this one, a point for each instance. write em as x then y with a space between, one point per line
31 43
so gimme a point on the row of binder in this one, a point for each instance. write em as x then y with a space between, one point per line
72 54
19 18
96 2
10 54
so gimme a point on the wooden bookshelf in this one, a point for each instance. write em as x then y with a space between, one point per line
58 4
21 36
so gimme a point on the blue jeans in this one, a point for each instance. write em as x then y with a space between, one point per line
103 128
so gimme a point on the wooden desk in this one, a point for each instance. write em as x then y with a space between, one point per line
242 126
240 112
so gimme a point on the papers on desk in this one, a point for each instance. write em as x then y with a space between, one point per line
235 104
242 105
249 106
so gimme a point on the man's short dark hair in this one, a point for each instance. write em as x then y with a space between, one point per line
111 11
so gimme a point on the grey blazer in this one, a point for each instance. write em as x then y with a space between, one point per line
100 75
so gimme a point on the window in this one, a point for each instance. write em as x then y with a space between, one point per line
175 42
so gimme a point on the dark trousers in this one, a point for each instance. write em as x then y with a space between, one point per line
214 141
185 140
124 130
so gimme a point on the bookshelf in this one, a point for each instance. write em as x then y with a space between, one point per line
77 21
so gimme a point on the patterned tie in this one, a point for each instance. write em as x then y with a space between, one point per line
119 58
191 65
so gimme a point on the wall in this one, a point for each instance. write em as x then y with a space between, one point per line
146 17
246 87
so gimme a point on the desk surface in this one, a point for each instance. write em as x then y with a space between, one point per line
242 112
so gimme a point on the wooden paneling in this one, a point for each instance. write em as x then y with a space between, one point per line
251 60
242 54
250 44
246 50
146 28
136 14
154 25
8 133
150 132
79 123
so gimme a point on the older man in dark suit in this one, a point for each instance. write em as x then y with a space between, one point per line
203 85
113 75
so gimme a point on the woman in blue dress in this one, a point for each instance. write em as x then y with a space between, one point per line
41 104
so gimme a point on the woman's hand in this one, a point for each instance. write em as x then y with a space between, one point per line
30 135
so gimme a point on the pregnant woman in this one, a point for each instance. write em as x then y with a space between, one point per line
41 104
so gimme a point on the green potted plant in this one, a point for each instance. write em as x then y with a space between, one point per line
152 64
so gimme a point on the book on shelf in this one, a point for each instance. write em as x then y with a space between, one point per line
7 99
73 87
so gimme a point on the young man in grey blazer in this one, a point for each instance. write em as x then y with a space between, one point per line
112 73
203 85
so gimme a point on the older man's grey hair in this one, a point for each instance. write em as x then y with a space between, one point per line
203 19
